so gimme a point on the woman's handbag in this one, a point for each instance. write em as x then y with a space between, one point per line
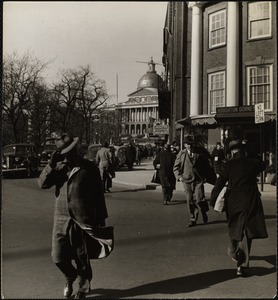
156 178
220 204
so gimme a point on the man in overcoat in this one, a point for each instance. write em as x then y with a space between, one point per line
166 159
244 208
79 208
193 167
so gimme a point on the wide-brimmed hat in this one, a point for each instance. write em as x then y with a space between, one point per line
188 140
65 142
235 144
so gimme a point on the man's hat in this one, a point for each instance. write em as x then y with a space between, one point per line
188 140
235 144
65 142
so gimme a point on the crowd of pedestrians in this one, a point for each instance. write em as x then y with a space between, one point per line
80 209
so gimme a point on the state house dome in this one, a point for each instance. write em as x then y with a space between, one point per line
151 79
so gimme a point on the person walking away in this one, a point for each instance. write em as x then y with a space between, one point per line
218 156
193 167
138 155
104 162
166 159
130 156
75 210
244 208
111 170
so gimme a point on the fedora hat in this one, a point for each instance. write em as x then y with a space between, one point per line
65 142
235 144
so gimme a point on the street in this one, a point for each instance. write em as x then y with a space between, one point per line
155 254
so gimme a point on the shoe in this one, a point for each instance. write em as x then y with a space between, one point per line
68 289
80 295
192 224
108 190
165 202
241 272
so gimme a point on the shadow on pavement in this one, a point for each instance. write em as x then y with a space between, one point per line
180 285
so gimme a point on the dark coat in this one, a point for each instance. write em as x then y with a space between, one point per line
244 207
166 159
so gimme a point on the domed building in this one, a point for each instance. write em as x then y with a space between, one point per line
139 114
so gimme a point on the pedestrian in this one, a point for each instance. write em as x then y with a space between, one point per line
104 162
79 210
130 156
218 156
138 155
244 208
193 167
111 170
166 159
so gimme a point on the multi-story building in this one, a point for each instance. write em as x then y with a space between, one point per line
140 113
220 60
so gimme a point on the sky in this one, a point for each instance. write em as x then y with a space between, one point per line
108 36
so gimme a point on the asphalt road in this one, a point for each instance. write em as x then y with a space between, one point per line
155 255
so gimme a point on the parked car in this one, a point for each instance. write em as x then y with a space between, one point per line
20 158
46 153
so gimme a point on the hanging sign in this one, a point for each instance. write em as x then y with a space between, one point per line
259 113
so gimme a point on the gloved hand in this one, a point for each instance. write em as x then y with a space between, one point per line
55 157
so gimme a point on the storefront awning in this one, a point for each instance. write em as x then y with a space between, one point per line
199 120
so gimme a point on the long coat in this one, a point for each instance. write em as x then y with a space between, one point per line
243 205
166 159
79 200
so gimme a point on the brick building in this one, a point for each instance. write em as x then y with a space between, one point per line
220 60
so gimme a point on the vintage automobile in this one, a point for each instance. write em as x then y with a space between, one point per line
119 151
20 158
120 155
46 153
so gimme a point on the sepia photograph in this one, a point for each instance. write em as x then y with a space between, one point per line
139 150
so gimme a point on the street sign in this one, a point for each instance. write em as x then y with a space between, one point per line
160 129
259 113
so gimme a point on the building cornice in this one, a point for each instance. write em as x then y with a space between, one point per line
197 3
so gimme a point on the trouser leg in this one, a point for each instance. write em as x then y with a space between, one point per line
165 194
245 246
191 206
68 270
200 200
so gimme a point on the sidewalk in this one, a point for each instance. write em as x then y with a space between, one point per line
140 177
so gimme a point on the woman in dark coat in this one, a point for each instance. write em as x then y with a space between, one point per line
244 208
166 160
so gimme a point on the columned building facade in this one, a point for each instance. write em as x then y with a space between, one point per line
220 61
140 113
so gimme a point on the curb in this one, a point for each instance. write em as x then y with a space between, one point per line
138 185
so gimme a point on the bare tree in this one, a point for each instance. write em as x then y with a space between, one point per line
20 76
77 96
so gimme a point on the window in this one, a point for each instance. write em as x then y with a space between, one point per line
217 29
216 91
259 23
259 80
